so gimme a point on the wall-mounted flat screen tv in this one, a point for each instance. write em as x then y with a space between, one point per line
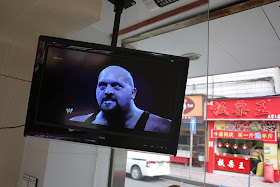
103 95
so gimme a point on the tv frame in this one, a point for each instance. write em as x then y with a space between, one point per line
156 142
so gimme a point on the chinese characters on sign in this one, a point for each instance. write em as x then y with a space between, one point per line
250 108
241 109
241 166
256 135
231 164
274 116
261 109
219 109
221 162
226 163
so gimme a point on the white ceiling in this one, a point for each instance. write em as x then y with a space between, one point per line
133 15
239 42
140 12
245 40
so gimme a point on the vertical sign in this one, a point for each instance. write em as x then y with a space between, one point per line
193 125
270 154
192 131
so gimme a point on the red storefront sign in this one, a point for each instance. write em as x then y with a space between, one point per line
234 164
250 108
249 135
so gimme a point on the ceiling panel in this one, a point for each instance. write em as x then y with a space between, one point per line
249 40
187 40
273 13
239 42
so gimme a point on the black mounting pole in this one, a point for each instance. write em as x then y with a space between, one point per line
119 5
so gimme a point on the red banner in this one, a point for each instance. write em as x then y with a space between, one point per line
249 135
234 164
249 109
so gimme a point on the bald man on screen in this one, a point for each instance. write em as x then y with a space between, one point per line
115 94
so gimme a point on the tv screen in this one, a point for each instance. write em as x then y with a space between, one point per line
103 95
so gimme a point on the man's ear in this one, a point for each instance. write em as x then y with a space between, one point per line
134 92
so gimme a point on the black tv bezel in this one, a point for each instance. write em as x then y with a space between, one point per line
135 141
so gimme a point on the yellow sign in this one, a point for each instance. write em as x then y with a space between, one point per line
270 154
278 124
219 125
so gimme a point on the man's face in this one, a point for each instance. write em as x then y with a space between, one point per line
113 90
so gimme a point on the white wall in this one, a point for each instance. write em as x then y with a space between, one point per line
91 34
68 164
277 80
35 158
60 163
13 106
233 84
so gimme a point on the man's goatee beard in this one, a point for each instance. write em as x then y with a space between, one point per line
115 119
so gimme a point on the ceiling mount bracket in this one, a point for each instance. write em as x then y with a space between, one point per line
119 6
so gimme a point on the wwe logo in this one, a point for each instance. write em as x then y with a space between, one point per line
69 110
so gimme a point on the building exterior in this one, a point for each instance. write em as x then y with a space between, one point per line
233 126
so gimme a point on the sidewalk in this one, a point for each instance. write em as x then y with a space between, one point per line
180 173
